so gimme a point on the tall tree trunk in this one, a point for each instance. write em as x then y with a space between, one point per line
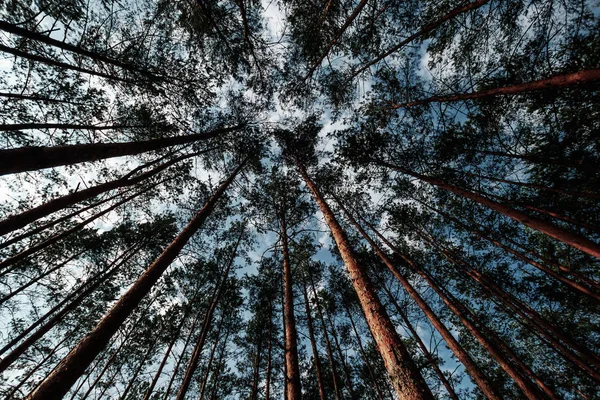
40 37
335 39
363 354
138 369
470 366
572 239
20 96
220 367
33 158
334 375
421 32
313 344
193 363
211 358
70 303
269 350
560 341
491 346
74 364
18 221
579 79
58 125
341 355
284 333
256 370
405 377
293 388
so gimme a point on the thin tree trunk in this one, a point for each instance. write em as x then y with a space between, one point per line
430 358
220 367
211 358
72 301
74 364
33 158
20 220
193 363
572 239
470 366
341 355
17 30
20 96
363 354
138 369
335 39
284 333
493 345
334 375
579 79
313 344
405 377
255 374
269 349
421 32
293 388
58 125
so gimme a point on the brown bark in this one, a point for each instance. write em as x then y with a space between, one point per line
334 376
430 358
572 239
293 388
211 357
493 345
33 158
255 374
470 366
422 32
19 221
74 364
342 358
313 344
193 363
363 354
579 79
335 39
560 341
269 350
405 377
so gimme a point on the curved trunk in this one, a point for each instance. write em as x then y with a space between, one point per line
74 364
31 158
405 377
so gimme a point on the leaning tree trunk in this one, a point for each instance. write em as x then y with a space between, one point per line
293 388
572 239
579 78
74 364
405 377
193 363
33 158
211 358
313 344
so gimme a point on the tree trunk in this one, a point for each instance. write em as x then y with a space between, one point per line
293 388
269 349
58 125
341 355
211 358
572 239
491 346
33 158
139 369
255 374
470 366
20 96
193 363
334 375
577 164
21 220
421 32
579 79
313 344
74 364
363 354
405 377
335 39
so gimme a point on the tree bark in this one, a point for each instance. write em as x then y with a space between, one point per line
422 32
269 349
74 364
293 388
255 374
33 158
405 377
58 125
470 366
579 79
210 359
193 363
313 344
21 220
341 355
572 239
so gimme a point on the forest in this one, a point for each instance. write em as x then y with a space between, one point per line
300 199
